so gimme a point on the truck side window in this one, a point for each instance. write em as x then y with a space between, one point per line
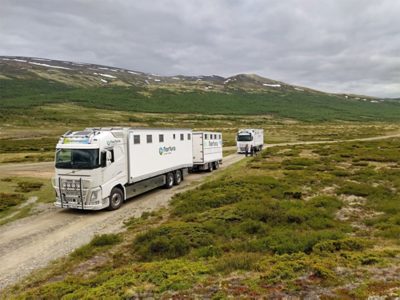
206 136
161 138
149 139
173 136
103 159
112 155
189 136
136 139
182 136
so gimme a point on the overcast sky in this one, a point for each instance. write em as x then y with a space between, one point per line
332 45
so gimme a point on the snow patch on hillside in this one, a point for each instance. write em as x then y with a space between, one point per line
107 75
272 85
49 66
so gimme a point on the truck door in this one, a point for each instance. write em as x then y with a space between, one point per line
198 147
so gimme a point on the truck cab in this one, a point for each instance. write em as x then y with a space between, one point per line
88 164
249 138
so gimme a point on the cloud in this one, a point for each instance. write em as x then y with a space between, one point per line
335 45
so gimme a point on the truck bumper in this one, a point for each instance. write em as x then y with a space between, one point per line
77 205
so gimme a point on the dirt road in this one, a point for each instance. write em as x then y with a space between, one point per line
41 169
32 242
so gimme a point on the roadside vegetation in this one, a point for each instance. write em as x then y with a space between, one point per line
302 220
20 196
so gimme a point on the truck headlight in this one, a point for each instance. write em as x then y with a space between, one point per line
95 195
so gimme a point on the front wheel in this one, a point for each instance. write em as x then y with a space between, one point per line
116 199
210 167
216 165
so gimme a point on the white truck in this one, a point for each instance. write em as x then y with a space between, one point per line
102 167
247 138
207 150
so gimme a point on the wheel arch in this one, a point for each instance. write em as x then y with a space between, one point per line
122 188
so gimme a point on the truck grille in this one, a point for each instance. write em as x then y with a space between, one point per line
74 190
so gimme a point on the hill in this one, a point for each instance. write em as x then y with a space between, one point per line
28 82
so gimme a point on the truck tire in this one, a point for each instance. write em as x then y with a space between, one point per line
177 177
216 165
210 167
169 180
116 199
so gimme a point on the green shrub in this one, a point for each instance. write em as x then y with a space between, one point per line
170 241
6 179
98 242
237 261
347 244
105 240
208 251
26 186
357 189
8 200
288 241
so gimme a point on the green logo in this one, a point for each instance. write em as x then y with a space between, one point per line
166 150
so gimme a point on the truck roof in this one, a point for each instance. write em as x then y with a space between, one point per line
133 128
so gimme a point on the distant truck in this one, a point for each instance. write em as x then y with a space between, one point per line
247 138
207 150
101 167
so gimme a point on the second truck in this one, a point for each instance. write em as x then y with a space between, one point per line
249 139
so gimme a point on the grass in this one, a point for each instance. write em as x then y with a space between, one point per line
271 222
32 137
15 191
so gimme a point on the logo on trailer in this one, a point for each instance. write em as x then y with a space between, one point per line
166 150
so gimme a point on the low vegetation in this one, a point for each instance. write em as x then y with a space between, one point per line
32 137
18 195
298 221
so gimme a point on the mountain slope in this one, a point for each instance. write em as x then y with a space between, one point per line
27 82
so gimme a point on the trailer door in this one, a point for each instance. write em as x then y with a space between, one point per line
198 148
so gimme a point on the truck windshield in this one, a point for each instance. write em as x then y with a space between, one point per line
244 137
77 158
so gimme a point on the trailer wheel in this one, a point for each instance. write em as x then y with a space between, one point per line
210 167
116 199
177 177
169 180
216 165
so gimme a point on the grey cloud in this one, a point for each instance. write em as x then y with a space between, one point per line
335 45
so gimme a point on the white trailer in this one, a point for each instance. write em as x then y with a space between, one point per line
207 150
250 138
101 167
